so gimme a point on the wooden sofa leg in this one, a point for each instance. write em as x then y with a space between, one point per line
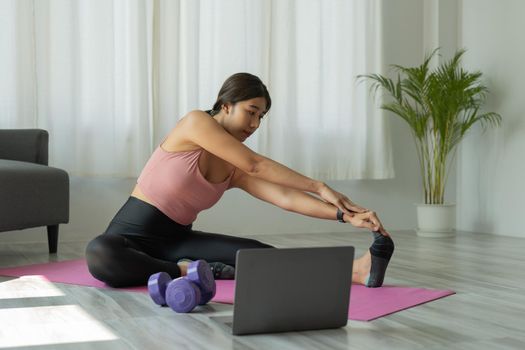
52 238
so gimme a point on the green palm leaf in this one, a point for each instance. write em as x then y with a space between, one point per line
440 106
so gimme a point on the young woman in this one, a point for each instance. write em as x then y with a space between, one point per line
202 157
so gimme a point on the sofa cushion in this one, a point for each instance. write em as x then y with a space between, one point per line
32 195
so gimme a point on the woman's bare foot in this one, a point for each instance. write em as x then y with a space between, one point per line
362 268
183 266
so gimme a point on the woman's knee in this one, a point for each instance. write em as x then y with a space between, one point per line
102 257
104 245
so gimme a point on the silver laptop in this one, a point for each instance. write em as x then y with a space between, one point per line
290 289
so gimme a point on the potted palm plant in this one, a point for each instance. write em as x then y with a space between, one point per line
440 105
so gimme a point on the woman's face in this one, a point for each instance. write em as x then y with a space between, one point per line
244 117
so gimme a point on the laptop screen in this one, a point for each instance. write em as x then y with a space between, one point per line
292 289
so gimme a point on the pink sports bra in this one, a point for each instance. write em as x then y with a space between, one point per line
172 181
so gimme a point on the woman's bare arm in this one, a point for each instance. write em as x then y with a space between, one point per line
306 204
207 133
300 202
210 135
303 203
275 172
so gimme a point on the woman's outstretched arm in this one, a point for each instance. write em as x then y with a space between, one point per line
207 133
278 173
303 203
300 202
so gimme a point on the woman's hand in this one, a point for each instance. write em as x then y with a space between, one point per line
367 220
340 201
353 213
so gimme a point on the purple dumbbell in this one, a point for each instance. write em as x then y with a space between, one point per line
200 273
157 284
184 293
196 288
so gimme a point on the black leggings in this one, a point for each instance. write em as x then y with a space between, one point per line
141 240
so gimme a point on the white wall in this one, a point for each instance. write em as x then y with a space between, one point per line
95 201
491 168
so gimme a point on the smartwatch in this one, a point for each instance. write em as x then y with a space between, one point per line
340 216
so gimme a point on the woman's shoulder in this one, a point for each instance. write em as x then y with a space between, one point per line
178 139
193 118
196 114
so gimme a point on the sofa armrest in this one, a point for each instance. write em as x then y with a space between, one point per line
27 145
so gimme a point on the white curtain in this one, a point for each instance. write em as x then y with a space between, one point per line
109 79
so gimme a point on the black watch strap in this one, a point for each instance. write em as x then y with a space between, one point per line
340 216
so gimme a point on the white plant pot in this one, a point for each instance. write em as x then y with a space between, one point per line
436 220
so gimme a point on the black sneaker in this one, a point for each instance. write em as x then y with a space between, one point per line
222 271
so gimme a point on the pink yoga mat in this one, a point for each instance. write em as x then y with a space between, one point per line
366 304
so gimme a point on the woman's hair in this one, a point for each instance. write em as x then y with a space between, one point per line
241 87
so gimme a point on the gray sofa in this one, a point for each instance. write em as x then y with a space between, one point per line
32 194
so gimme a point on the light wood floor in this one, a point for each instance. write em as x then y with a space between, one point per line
488 311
